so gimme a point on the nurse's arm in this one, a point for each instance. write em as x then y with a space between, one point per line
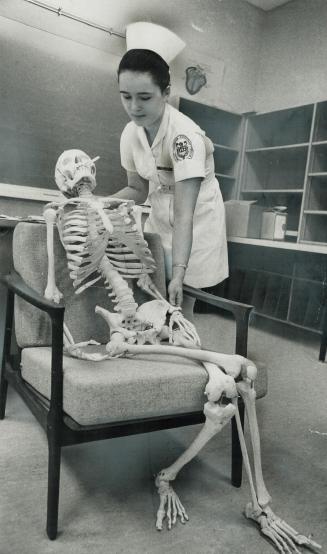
186 194
137 188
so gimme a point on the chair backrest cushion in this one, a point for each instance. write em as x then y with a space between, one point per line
33 326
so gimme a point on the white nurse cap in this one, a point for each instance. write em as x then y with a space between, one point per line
149 36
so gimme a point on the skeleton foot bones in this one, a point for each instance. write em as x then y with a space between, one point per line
281 534
102 237
284 537
170 504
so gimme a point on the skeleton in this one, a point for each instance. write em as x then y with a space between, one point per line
103 238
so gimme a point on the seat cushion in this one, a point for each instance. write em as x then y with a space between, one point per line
122 389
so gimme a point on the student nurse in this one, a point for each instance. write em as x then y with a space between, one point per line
169 161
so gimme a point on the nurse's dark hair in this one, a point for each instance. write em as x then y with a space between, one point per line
146 61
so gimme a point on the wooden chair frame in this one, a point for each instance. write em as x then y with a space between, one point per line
63 431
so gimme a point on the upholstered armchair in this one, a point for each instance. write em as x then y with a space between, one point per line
78 401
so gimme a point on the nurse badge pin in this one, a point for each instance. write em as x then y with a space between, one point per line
182 148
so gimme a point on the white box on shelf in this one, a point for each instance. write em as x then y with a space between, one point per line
273 224
243 218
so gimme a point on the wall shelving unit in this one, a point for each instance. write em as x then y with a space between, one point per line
286 285
275 158
313 228
225 129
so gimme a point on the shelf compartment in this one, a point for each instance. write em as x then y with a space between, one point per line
318 162
307 304
279 198
275 169
276 296
285 127
235 283
311 267
227 186
225 161
320 131
317 193
222 127
259 292
279 320
248 287
315 228
268 292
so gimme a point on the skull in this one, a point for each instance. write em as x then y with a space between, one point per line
74 169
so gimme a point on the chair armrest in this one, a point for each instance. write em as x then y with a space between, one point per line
14 282
17 285
241 313
224 303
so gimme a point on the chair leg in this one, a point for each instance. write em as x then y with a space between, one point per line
3 396
53 488
6 319
323 342
237 458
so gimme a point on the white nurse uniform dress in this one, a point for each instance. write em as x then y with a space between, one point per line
181 151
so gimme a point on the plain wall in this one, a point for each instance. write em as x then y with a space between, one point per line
58 85
224 30
58 77
292 68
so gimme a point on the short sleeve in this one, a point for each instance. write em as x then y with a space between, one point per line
188 155
126 151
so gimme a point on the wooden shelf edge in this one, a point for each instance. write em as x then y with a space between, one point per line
277 148
320 248
315 212
315 244
224 176
317 174
223 147
273 191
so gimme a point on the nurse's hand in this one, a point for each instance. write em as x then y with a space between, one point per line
175 291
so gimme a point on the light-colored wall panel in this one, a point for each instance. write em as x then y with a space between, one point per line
294 46
55 95
58 80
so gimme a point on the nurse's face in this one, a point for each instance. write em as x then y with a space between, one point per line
142 98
